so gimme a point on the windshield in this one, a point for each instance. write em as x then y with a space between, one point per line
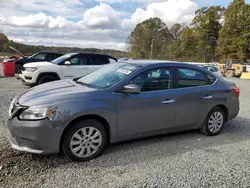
108 75
32 56
62 58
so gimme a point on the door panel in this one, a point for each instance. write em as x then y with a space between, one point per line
190 106
145 113
194 97
152 110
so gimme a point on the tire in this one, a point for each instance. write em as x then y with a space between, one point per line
207 126
46 79
230 74
19 68
85 145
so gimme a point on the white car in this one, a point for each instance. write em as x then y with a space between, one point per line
68 66
213 69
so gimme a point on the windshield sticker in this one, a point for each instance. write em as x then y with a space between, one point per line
124 71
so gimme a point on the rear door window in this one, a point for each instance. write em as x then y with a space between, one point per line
211 79
97 60
187 77
50 57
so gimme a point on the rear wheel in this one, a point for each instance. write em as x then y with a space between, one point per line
46 79
85 140
214 122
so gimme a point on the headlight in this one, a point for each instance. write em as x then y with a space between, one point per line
37 113
31 69
12 106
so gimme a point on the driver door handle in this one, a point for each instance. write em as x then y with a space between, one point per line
168 101
208 97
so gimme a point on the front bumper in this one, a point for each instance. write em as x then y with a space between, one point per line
39 137
16 146
27 78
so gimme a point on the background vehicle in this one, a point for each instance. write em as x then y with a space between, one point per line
38 57
125 59
68 66
233 68
213 69
120 101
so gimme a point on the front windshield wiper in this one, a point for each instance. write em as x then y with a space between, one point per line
75 79
82 83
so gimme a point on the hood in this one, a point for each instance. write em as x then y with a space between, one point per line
38 64
17 51
54 92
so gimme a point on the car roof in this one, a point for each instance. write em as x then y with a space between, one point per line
210 66
145 63
50 52
88 53
46 52
158 62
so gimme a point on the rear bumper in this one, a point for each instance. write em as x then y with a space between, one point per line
233 109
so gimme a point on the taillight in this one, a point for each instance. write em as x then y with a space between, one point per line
236 91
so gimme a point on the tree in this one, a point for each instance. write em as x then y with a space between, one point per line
188 45
206 26
235 34
146 39
3 42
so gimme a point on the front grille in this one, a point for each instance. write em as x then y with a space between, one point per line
28 77
28 143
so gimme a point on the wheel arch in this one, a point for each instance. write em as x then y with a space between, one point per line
224 108
98 118
48 73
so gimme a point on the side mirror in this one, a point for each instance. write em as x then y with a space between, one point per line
132 89
67 63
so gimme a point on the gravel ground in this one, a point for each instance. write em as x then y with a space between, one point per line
187 159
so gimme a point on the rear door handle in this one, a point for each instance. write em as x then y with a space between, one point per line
168 101
208 97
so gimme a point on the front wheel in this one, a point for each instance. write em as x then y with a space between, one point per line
45 79
214 122
19 68
84 141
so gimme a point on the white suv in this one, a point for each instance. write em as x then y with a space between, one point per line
68 66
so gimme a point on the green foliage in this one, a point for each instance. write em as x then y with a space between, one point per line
234 41
196 43
206 26
149 33
207 39
3 42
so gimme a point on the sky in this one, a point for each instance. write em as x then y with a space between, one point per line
103 24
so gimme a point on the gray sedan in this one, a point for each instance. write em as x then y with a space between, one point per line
119 102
